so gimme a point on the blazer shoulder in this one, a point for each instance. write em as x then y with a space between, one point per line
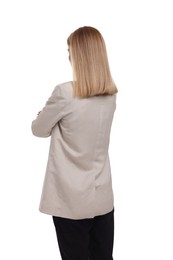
64 89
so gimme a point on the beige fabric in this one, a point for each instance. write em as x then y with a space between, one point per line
78 181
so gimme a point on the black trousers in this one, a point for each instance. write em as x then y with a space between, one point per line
86 239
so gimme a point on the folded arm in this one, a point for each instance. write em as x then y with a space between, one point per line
49 116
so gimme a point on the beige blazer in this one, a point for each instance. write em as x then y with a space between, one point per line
78 181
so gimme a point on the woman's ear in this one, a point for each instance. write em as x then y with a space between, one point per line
69 56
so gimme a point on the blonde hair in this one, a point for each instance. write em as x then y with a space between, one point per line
88 55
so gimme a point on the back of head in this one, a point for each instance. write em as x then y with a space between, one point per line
91 72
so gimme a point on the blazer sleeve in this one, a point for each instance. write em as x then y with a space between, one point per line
49 116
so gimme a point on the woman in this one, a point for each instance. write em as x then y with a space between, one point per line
78 116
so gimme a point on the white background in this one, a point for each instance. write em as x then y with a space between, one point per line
33 59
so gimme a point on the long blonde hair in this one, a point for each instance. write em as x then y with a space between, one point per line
88 55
